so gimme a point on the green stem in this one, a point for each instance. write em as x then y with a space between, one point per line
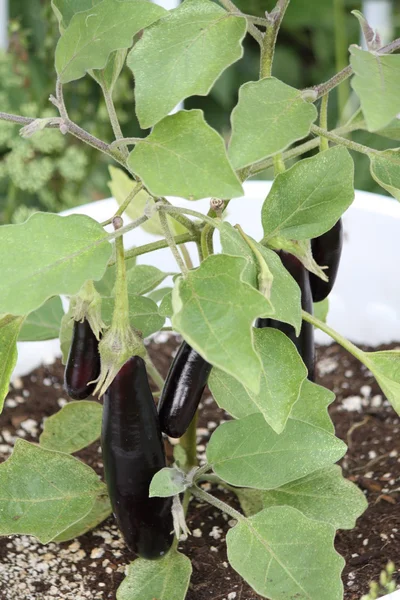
222 506
349 346
252 29
180 218
159 245
207 247
129 141
279 164
274 19
125 204
121 307
337 139
189 442
323 121
187 211
265 276
186 256
112 113
171 243
341 52
154 373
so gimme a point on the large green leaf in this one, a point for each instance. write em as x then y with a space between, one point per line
182 55
164 579
100 511
385 366
249 453
44 492
72 428
49 255
283 373
385 169
185 157
391 131
92 35
65 9
9 330
312 406
324 496
283 555
43 323
143 314
308 199
285 293
214 311
144 278
377 84
269 116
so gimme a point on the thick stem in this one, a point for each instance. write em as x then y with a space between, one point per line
222 506
323 121
252 29
121 306
171 243
207 247
341 52
274 18
189 442
279 164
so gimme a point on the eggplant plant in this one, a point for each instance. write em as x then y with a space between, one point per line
245 314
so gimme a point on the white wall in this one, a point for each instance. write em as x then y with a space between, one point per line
3 24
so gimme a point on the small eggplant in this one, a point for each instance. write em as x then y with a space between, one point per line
182 391
83 364
133 452
305 341
327 251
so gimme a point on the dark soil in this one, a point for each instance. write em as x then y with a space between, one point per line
93 566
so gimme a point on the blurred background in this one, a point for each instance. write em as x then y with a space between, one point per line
53 172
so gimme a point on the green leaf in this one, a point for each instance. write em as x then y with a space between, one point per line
283 373
391 131
376 83
283 555
168 482
100 511
312 406
385 366
66 331
214 311
43 492
75 426
9 330
323 496
285 293
321 310
141 279
105 286
107 77
385 169
65 9
165 309
309 198
143 314
191 160
43 323
92 35
159 294
251 501
49 255
269 116
182 55
164 579
248 452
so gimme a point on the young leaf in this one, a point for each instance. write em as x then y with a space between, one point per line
214 311
165 309
49 255
321 309
43 492
43 323
249 453
168 482
164 579
312 406
283 373
191 160
143 314
376 82
282 555
141 279
323 496
9 330
65 9
285 293
251 501
159 294
308 199
182 55
391 131
385 169
100 511
105 286
108 77
385 366
72 428
92 35
279 117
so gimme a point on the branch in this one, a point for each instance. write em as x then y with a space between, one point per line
159 245
251 28
274 18
337 139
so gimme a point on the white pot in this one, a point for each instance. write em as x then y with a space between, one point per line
365 303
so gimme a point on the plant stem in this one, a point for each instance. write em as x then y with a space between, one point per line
207 247
274 19
129 141
186 256
189 442
129 198
341 52
60 101
136 223
323 121
112 113
180 218
337 139
146 248
279 164
222 506
121 305
193 213
154 373
349 346
171 243
252 29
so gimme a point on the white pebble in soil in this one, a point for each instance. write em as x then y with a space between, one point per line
352 404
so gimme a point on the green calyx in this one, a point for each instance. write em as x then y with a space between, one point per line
87 305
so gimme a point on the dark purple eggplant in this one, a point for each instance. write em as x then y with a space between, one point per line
327 250
83 364
305 341
133 452
182 391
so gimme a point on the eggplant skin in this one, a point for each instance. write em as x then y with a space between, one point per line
83 364
327 251
133 452
182 391
305 341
